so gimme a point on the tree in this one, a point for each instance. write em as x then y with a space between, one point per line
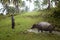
56 2
48 4
16 3
5 4
23 4
37 4
56 12
30 0
26 9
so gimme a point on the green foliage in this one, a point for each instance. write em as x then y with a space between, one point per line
58 4
57 11
26 9
1 14
4 1
11 10
45 2
23 3
37 3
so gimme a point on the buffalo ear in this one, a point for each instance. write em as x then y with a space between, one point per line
55 25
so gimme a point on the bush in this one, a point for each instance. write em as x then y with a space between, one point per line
1 14
56 13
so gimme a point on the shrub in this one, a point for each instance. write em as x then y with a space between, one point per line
56 13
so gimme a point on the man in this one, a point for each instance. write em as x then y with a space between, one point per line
13 22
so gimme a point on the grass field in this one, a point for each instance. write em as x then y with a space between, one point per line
22 23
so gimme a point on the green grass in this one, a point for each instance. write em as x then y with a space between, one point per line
22 23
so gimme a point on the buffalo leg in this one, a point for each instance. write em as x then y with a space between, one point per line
38 30
41 30
50 31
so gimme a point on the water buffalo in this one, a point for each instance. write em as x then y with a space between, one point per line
43 26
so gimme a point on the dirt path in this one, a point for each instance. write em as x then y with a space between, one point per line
35 31
56 32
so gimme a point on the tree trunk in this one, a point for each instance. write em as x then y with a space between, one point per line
48 4
56 2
